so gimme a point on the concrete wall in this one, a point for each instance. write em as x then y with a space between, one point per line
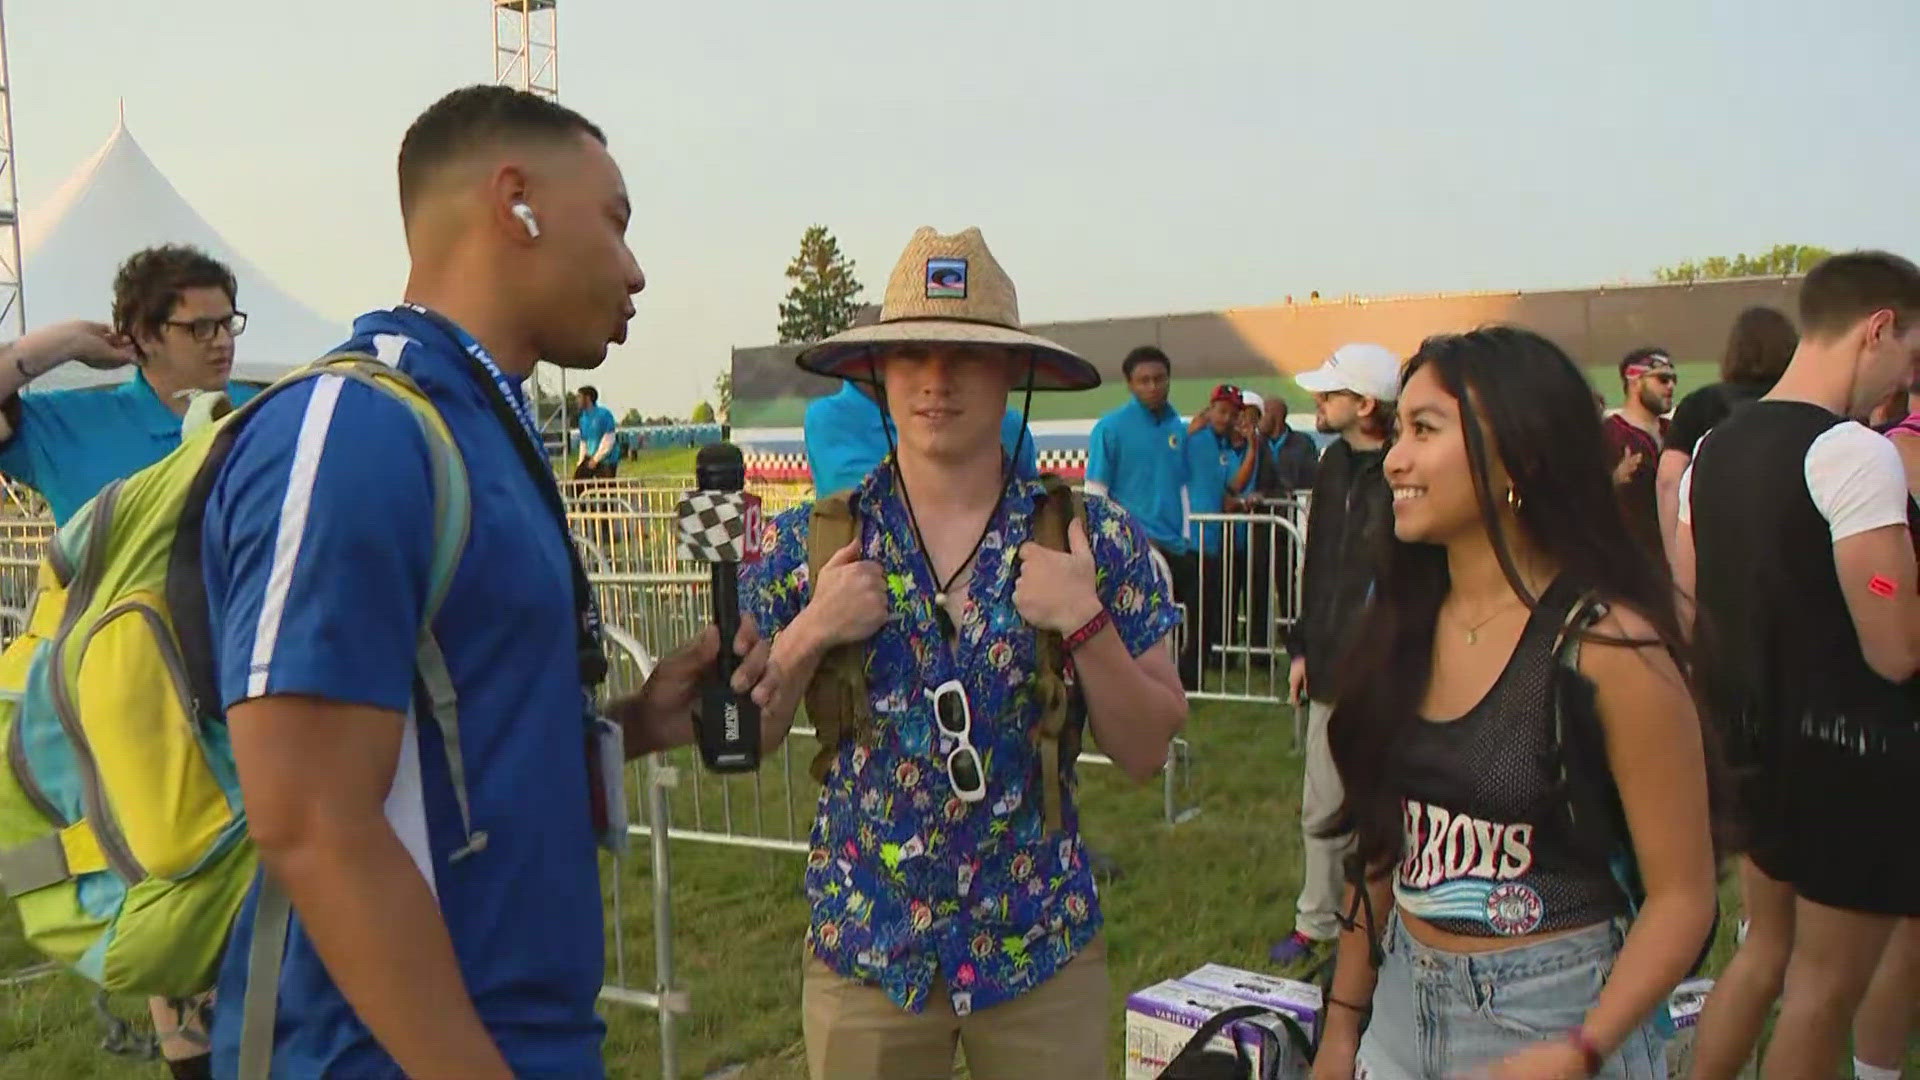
1595 326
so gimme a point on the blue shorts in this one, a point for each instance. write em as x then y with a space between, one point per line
1437 1014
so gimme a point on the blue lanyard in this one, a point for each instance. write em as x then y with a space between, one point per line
516 398
593 661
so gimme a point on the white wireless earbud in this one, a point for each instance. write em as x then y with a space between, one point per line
525 214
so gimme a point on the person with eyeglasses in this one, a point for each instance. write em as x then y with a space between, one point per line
174 320
1635 434
953 901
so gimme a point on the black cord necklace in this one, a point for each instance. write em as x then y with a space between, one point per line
940 613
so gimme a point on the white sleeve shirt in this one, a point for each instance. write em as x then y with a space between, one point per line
1854 475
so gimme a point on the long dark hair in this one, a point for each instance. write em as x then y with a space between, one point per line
1539 409
1759 346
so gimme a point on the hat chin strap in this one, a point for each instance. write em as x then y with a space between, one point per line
1006 478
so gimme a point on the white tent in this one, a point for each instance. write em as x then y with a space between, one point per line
116 204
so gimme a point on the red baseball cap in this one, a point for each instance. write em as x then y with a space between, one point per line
1225 392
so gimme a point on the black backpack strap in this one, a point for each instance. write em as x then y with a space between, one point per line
1193 1054
1589 802
1590 798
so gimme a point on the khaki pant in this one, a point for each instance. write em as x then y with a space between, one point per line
1056 1031
1323 879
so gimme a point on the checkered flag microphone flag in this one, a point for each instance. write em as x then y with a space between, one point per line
719 526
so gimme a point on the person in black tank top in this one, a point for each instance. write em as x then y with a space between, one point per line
1794 539
1517 744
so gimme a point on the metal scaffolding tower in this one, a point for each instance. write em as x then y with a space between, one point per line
13 304
526 54
526 49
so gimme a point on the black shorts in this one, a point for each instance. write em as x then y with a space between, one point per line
1831 821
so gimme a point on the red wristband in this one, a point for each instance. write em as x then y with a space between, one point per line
1589 1052
1085 633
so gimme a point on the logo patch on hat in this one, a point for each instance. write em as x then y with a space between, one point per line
946 279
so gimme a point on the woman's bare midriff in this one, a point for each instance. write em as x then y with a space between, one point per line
1433 937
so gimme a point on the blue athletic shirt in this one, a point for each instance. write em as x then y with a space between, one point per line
845 440
596 424
1211 462
1142 459
317 558
68 444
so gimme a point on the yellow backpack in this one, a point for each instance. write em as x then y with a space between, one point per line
123 839
837 701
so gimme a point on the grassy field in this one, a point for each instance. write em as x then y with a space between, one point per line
1217 888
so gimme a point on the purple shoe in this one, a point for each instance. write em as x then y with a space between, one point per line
1299 956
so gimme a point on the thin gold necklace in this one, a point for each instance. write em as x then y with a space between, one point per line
1473 631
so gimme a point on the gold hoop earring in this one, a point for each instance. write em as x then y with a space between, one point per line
1514 500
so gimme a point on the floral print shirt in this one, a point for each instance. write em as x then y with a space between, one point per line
907 882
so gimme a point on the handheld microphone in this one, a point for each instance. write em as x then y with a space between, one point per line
720 524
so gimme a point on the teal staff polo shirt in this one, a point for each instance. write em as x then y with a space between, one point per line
68 444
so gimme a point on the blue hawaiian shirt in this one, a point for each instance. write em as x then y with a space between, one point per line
907 882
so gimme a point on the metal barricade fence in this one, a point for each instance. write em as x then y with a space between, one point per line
1246 596
651 603
22 542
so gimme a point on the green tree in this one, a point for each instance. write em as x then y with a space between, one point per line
1780 261
825 294
632 419
703 413
723 395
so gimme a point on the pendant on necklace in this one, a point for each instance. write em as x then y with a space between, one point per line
940 599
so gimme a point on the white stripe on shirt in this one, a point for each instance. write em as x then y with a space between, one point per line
293 524
406 805
389 348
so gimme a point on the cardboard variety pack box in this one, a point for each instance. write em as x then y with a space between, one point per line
1162 1019
1302 1001
1689 998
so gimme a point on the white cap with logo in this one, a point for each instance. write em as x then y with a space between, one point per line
1368 370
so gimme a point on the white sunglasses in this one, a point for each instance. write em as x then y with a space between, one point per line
955 717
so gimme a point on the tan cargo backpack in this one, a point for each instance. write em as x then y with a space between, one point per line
837 701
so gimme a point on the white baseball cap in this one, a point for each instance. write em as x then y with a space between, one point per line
1360 368
1248 397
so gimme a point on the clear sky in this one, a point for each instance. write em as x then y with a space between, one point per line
1129 157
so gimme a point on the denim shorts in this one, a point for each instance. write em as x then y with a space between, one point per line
1438 1014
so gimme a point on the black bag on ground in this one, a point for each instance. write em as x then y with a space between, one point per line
1196 1061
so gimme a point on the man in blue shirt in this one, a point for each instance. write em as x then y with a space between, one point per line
846 436
1137 456
174 318
599 439
442 956
1213 464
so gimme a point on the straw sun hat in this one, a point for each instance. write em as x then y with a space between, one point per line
947 290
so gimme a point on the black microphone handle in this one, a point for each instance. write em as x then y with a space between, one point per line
726 613
729 728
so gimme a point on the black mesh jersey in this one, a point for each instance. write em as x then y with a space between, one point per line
1486 849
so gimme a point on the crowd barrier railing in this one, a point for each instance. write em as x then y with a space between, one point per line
652 602
649 780
1244 598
